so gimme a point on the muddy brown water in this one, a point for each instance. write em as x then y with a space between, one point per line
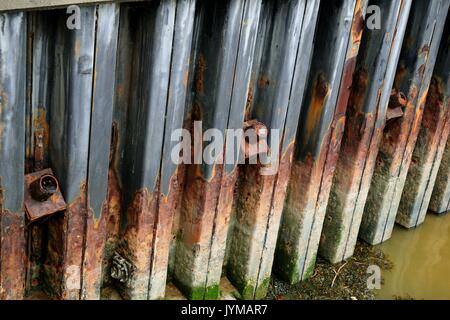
421 259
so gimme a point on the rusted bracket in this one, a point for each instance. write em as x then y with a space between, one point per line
42 195
252 149
396 104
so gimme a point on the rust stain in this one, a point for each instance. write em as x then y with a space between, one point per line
114 187
358 89
94 245
249 102
12 250
163 236
198 208
400 74
263 81
73 235
41 128
137 242
200 75
315 109
114 207
425 49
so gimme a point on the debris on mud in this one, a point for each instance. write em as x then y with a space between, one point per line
343 281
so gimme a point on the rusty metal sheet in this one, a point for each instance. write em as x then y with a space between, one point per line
12 155
413 77
170 185
321 127
285 36
41 40
69 148
68 67
118 141
220 85
107 22
98 106
144 241
371 89
433 136
149 30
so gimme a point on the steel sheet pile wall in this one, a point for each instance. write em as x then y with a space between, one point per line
278 79
154 53
430 145
71 94
101 105
412 80
366 112
440 198
224 54
321 126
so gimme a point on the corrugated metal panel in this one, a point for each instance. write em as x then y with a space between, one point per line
99 106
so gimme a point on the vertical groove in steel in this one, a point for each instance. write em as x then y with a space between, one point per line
374 75
321 126
107 22
12 153
40 70
118 144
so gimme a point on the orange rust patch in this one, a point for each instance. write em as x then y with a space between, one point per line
12 259
263 81
249 102
137 242
73 230
400 74
320 92
93 254
200 75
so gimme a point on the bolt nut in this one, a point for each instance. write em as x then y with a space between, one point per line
43 188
